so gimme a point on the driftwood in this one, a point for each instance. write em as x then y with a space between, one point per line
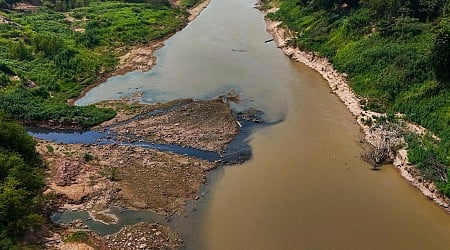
387 139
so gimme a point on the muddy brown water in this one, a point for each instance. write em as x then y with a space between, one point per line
305 187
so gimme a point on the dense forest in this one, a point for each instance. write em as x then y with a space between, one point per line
51 53
397 57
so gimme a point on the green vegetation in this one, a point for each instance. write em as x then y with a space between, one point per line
78 236
48 56
21 182
189 3
113 174
397 56
88 157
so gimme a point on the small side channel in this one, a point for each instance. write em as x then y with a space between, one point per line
126 217
236 152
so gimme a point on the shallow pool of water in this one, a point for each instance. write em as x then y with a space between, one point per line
126 217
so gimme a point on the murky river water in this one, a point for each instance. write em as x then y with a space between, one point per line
305 187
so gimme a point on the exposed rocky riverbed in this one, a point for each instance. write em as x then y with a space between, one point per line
206 125
95 177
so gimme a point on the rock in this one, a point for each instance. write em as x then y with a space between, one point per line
66 172
142 246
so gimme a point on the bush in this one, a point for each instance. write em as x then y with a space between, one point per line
78 236
88 157
440 56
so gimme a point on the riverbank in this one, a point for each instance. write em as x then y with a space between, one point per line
339 86
194 12
139 57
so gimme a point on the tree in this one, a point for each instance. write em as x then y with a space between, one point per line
432 8
4 80
48 44
383 8
18 50
8 3
440 56
330 4
14 139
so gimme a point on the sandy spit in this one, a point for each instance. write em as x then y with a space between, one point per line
198 9
339 86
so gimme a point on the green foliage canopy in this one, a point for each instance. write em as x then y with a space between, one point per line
21 181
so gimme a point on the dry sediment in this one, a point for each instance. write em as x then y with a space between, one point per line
129 107
340 87
194 12
132 177
206 125
139 236
144 236
125 176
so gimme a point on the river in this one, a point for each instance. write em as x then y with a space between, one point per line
305 187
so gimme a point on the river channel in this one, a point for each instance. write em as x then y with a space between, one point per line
305 186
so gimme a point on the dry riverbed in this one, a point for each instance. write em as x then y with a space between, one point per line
206 125
96 177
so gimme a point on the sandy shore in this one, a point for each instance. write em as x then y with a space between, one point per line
194 12
339 86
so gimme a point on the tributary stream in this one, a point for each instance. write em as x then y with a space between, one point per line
305 187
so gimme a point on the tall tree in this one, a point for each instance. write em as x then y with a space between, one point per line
440 56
